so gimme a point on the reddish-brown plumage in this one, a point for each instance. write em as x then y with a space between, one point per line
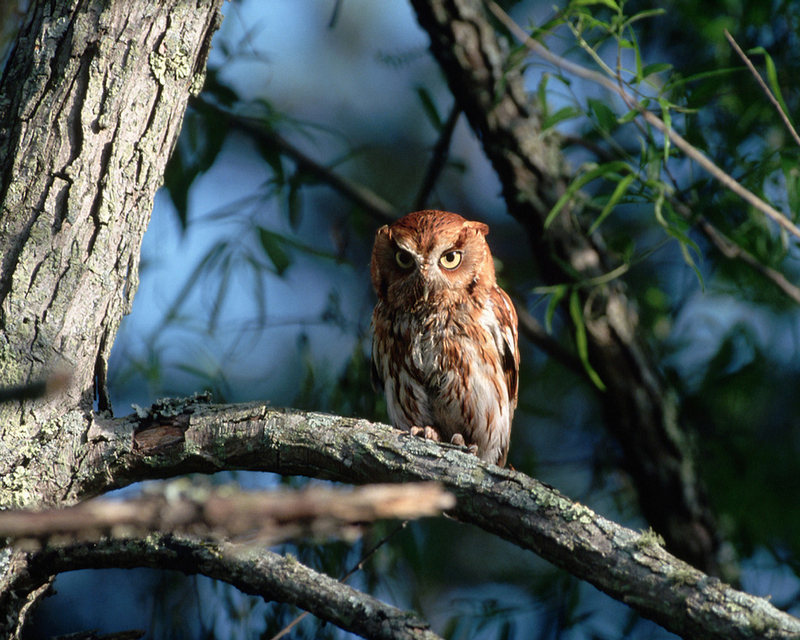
444 344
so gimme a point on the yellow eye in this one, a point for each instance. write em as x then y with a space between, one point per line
450 260
404 259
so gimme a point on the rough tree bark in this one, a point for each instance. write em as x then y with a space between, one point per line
91 103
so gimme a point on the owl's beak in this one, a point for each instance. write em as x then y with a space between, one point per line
426 283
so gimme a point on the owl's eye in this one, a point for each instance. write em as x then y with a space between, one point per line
450 260
404 259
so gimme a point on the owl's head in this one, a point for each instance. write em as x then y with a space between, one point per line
431 258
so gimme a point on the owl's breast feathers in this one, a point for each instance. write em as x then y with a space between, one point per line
460 374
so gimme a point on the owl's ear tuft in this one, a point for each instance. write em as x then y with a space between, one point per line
480 227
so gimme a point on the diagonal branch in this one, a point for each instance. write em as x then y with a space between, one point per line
787 123
359 194
733 251
438 159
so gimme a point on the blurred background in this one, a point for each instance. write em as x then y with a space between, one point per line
255 286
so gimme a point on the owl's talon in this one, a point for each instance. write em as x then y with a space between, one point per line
429 433
459 441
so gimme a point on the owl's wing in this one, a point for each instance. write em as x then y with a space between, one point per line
375 374
506 340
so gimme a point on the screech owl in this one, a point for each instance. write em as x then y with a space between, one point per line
444 346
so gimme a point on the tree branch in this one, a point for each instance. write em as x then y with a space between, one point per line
261 573
733 251
438 160
268 517
359 194
628 566
775 103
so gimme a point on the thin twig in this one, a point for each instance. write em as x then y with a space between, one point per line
679 141
359 194
764 87
733 251
438 158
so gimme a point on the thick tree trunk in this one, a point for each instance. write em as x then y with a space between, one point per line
93 99
91 103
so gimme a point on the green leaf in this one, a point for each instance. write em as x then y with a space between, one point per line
429 107
564 113
538 32
617 166
656 67
619 191
606 118
676 232
199 145
212 133
791 176
294 201
558 294
639 72
588 3
177 180
687 256
581 341
270 153
272 245
223 288
658 207
676 80
222 93
667 117
772 78
631 115
650 13
541 93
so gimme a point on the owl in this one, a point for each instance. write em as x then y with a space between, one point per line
444 348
